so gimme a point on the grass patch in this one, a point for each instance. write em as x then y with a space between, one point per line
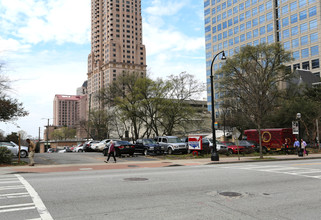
15 163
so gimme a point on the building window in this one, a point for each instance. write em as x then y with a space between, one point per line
306 65
303 15
285 22
304 40
294 30
296 66
302 3
305 53
313 24
315 64
312 11
287 45
293 6
269 27
314 50
285 9
262 30
304 27
294 18
313 37
296 55
295 43
286 33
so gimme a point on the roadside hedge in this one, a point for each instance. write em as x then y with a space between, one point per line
5 156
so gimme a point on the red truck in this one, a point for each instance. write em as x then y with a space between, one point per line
272 139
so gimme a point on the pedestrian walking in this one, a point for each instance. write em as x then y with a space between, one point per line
297 145
286 146
111 152
303 147
31 150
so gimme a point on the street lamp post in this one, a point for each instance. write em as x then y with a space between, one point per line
298 116
214 156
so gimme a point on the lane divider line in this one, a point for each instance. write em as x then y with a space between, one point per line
40 206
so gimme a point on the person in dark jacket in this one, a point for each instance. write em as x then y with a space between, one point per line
286 146
111 152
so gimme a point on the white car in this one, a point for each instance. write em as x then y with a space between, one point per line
100 146
14 148
79 148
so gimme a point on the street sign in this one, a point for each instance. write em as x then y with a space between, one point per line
295 127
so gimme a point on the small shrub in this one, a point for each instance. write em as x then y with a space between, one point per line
5 156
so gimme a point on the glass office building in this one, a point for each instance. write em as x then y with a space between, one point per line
232 24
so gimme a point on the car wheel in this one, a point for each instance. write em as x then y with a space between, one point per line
170 151
104 152
23 154
264 150
230 151
118 154
145 152
80 150
131 154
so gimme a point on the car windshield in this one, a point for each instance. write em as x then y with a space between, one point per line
149 141
174 140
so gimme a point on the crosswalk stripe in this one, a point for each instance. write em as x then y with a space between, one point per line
17 209
16 205
12 187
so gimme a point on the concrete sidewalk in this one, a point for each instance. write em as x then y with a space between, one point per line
147 164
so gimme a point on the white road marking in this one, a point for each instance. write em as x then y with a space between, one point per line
42 210
85 169
280 169
12 187
17 209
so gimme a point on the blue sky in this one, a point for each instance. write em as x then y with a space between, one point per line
45 44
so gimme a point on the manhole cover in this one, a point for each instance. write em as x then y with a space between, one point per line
230 194
135 179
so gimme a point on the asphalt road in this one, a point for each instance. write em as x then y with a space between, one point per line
265 190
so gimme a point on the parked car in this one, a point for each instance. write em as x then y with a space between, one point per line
79 148
52 150
65 150
14 148
87 145
250 146
220 146
100 145
232 148
121 147
146 146
172 144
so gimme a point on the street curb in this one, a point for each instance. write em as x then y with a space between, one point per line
264 160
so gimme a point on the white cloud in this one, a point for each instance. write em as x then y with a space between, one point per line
161 8
43 21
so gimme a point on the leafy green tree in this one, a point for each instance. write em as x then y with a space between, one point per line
64 133
252 79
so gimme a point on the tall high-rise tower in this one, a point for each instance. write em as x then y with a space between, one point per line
116 43
232 24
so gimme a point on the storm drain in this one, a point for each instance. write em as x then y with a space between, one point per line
175 165
230 194
135 179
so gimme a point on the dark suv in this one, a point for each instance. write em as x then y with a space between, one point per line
146 146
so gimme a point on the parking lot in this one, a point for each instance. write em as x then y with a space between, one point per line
81 158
